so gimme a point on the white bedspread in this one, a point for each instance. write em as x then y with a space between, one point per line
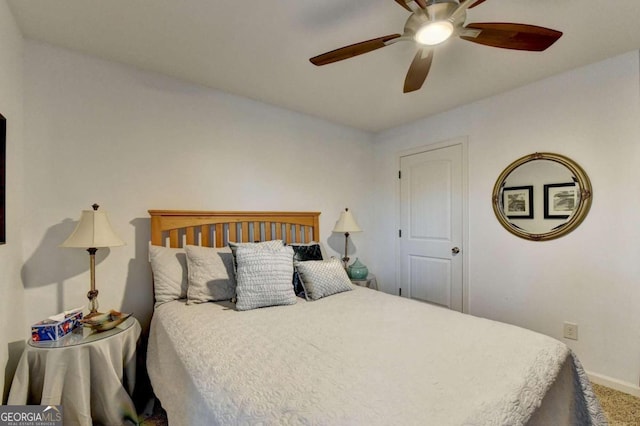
360 357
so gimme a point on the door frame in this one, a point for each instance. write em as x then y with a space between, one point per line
463 141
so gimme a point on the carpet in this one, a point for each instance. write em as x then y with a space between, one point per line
620 408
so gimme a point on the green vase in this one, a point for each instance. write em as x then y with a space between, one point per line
358 271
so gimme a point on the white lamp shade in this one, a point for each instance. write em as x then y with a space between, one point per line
346 223
93 231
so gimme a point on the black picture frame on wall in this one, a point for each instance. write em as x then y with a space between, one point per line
560 200
518 202
3 175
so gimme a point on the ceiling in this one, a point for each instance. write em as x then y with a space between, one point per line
260 49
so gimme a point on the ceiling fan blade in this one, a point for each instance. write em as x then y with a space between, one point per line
511 36
352 50
476 3
418 70
404 4
421 3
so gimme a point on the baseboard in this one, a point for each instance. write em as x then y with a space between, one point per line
616 384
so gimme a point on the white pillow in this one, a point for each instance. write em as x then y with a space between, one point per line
264 277
211 276
323 278
266 245
169 267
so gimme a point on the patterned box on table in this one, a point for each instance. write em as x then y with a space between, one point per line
53 328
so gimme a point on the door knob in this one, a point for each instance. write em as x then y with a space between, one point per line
455 250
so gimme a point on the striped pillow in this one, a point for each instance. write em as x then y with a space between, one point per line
264 277
266 245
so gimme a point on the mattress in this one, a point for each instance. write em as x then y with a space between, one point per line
360 357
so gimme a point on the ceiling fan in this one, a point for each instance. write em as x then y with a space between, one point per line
433 22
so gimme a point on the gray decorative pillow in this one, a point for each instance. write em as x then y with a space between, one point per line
169 267
323 278
269 245
211 276
264 277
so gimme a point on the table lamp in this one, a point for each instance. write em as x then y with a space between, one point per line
92 232
347 224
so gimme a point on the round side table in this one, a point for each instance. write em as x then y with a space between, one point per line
369 282
91 374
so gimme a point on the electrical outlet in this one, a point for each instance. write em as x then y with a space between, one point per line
571 330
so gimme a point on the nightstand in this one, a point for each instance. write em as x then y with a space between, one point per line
369 282
92 375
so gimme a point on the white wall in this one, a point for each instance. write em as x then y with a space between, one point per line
132 141
11 299
590 276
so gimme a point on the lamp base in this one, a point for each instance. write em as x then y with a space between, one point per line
92 295
345 261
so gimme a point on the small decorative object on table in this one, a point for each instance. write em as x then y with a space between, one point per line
358 271
104 322
57 326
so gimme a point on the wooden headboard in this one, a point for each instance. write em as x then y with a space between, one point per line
216 229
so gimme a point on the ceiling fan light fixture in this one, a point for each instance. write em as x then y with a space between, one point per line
434 33
433 22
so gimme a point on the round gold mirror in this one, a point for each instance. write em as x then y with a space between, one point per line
542 196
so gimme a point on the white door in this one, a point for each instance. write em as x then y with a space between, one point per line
431 226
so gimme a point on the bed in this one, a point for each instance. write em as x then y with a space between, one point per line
356 356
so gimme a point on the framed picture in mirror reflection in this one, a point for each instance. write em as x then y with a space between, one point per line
560 200
518 202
